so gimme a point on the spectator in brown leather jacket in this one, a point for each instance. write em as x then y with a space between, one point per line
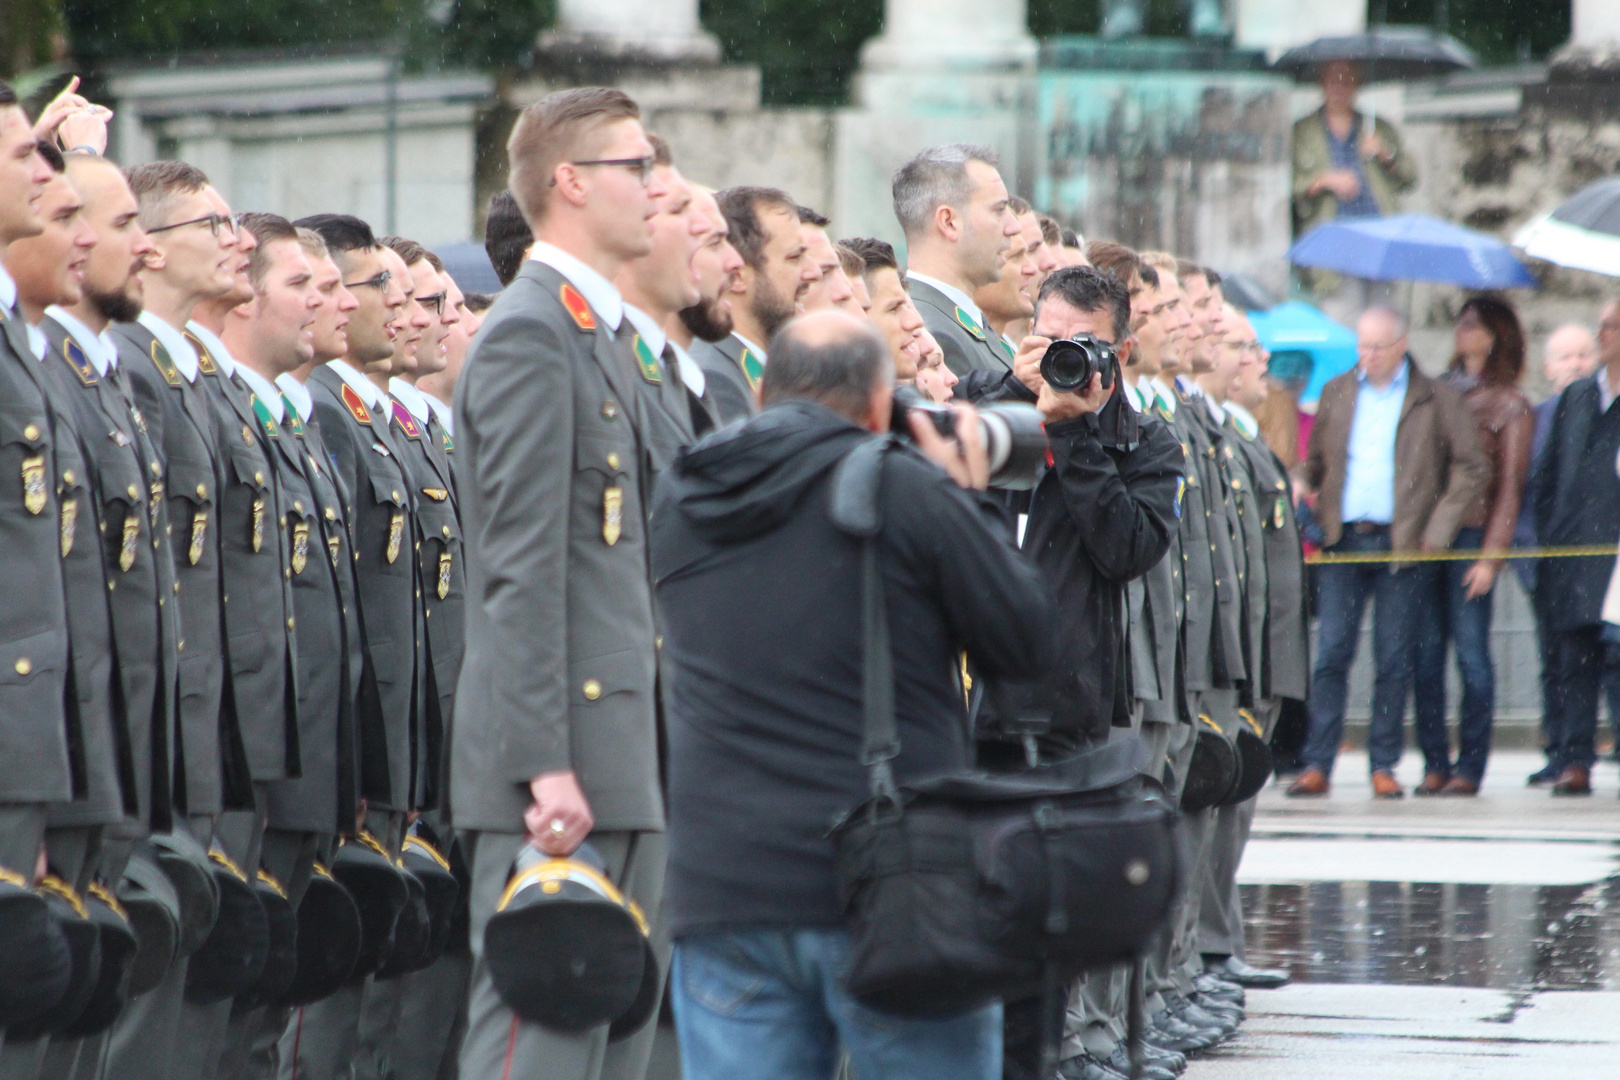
1486 367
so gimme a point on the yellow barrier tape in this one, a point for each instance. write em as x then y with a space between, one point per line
1469 555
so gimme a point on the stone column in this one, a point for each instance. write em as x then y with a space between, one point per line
1595 23
951 35
658 31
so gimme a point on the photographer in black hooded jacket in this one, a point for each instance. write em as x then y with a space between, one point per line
1104 513
760 595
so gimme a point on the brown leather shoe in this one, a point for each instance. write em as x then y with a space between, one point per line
1459 785
1574 780
1433 784
1311 783
1385 786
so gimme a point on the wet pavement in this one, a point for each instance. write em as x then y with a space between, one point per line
1475 938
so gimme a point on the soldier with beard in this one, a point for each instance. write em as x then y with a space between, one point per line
699 326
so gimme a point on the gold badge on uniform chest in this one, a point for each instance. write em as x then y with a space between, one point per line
33 481
199 529
396 532
132 537
444 574
70 520
1278 514
300 546
258 524
612 514
333 542
156 502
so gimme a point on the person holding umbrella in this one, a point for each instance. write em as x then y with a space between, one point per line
1346 164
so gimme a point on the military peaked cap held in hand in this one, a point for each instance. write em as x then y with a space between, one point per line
233 957
564 948
442 890
1212 775
413 930
84 944
33 953
379 893
118 950
153 906
281 958
185 863
328 940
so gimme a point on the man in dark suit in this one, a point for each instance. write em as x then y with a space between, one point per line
776 271
556 735
1577 502
959 225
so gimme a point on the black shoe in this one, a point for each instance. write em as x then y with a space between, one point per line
1120 1062
1085 1067
1234 970
1164 1059
1215 987
1217 1007
1543 776
1193 1016
1172 1033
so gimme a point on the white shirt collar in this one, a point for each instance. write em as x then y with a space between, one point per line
446 415
1243 418
298 394
359 384
750 346
216 348
264 389
1215 411
410 397
8 293
1605 392
1165 395
37 341
179 349
648 328
98 348
598 291
952 293
691 374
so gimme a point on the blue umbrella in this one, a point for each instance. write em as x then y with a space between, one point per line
1411 247
1305 342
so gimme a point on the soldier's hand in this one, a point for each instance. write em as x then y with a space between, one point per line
559 819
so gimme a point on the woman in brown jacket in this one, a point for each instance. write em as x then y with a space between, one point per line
1487 365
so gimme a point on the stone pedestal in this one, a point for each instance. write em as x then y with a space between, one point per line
630 31
1167 145
951 35
1276 26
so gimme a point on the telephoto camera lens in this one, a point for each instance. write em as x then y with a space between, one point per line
1013 437
1069 363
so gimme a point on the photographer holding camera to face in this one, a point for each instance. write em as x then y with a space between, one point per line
1102 514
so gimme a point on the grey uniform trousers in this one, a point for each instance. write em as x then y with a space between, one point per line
1220 919
498 1045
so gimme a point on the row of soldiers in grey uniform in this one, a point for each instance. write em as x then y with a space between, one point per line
207 690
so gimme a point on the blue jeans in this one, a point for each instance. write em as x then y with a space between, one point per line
759 1003
1447 616
1343 590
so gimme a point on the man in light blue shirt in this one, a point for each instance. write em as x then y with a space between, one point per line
1396 463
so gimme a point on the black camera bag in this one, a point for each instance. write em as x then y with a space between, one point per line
968 887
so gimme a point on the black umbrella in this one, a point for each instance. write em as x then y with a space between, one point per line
1384 54
1583 232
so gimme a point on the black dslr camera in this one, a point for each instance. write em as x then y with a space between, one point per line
1012 435
1070 363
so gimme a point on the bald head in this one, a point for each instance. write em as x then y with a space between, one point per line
1381 344
1571 353
831 358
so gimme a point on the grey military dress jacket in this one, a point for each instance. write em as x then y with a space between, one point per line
560 671
35 763
732 372
1157 602
121 521
441 567
211 770
261 630
974 353
325 796
389 718
1284 671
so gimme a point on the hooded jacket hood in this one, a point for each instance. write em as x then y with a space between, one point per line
747 479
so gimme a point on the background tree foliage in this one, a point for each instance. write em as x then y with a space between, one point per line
808 49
